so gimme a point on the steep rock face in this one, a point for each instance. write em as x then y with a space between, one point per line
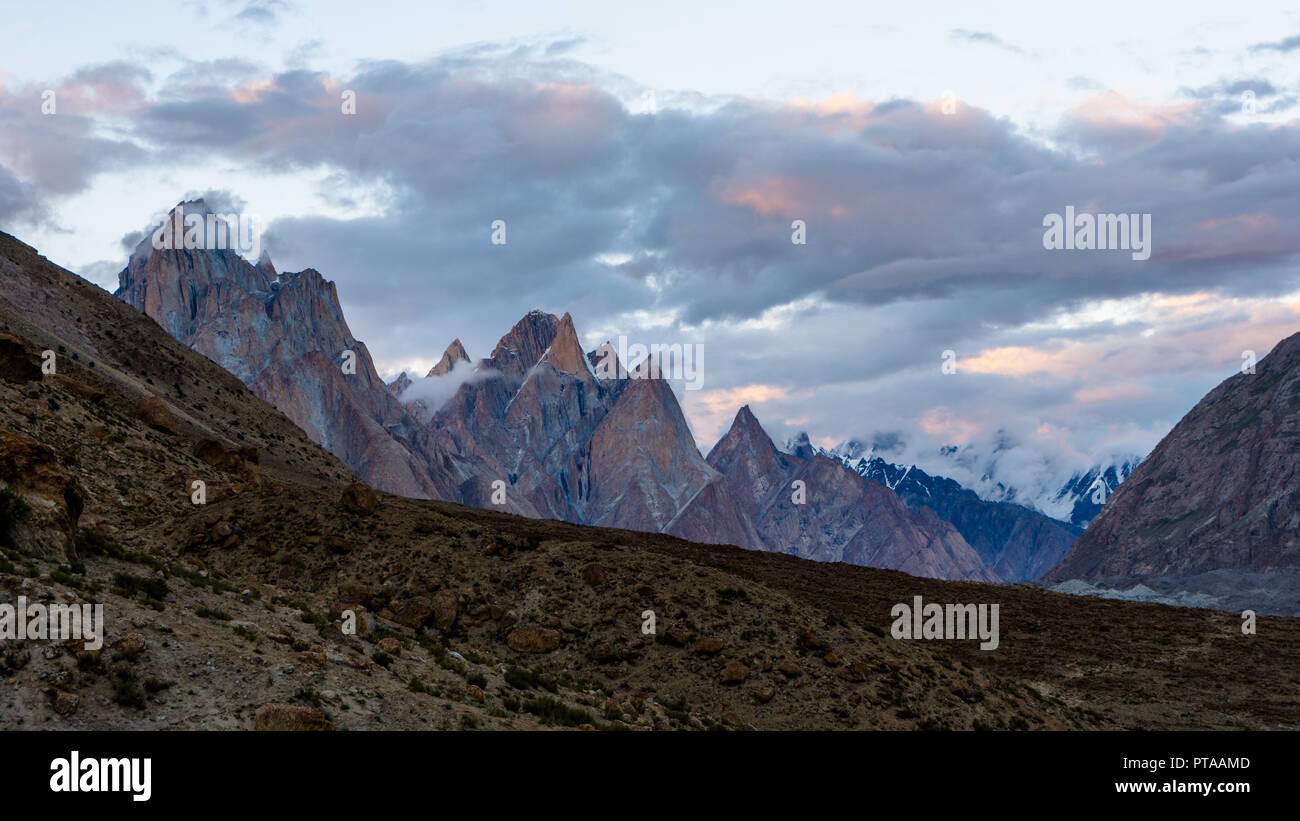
840 516
614 452
1017 542
1221 491
42 503
714 516
521 419
755 470
641 465
285 337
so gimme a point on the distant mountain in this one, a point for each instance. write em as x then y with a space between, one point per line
1220 491
843 517
1016 542
1068 496
530 429
1085 493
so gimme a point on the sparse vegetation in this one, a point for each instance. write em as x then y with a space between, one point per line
126 689
529 680
551 711
152 589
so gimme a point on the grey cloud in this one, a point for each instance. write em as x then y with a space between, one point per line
1285 45
262 12
17 198
984 38
906 204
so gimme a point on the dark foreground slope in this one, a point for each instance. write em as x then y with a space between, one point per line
227 614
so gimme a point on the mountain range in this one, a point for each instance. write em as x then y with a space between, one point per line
1017 542
1070 495
532 430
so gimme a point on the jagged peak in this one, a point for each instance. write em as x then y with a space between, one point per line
565 353
745 439
523 346
747 427
198 205
454 353
399 384
265 265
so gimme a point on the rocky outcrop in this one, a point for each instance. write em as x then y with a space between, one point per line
1220 491
17 364
155 413
40 500
290 717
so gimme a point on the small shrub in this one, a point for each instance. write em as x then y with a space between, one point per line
149 589
551 711
97 545
528 680
126 690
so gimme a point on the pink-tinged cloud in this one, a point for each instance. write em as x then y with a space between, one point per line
951 426
1111 119
1114 393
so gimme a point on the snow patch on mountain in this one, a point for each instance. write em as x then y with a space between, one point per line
1067 492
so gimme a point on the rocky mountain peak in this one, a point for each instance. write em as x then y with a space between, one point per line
523 346
283 335
455 353
265 265
605 362
565 353
745 432
399 385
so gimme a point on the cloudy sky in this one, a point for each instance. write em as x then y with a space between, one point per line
649 162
